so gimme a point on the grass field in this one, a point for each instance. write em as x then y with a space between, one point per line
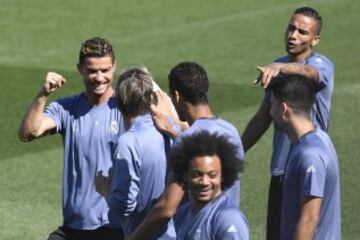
230 38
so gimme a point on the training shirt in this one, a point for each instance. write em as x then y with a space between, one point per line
320 110
217 125
89 134
139 174
219 219
312 171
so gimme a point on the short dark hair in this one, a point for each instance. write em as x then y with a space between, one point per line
203 143
191 81
96 47
296 90
133 92
312 13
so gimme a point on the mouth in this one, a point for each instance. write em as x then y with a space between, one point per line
204 191
290 44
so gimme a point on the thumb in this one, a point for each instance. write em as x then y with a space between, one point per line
261 69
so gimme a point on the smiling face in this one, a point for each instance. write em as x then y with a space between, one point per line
204 178
301 35
98 74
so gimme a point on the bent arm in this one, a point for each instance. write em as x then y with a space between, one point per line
160 213
268 72
299 68
309 218
257 126
35 123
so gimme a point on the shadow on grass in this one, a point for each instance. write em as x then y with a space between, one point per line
19 87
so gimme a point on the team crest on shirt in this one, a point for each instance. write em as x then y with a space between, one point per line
114 127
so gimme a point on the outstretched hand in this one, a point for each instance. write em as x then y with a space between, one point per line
267 73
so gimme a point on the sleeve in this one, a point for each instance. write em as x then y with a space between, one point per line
125 180
56 112
231 224
325 69
312 174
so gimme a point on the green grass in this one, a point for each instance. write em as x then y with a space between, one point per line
230 38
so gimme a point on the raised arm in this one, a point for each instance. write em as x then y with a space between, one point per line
34 123
160 214
309 218
272 70
257 126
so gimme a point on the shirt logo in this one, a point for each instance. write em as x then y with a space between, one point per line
232 229
318 60
311 169
114 127
197 234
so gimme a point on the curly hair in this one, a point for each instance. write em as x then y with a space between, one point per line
203 143
96 47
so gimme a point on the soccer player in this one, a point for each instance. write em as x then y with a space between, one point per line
90 125
207 164
302 34
311 187
189 86
140 165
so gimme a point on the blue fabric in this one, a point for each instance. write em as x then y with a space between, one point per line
89 135
312 171
320 111
219 219
139 175
221 127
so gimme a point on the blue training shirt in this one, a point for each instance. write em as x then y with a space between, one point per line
89 136
139 175
312 171
221 127
320 111
220 219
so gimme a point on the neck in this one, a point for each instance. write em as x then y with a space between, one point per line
301 57
128 121
198 111
299 126
99 99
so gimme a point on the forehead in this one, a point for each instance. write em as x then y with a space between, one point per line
303 22
98 62
205 163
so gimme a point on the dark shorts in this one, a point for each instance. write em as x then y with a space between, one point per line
273 225
102 233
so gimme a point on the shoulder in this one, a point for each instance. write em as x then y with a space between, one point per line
318 60
231 221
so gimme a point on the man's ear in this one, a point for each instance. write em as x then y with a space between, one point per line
114 65
315 41
286 110
178 97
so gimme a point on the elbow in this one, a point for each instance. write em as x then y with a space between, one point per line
24 137
121 208
165 210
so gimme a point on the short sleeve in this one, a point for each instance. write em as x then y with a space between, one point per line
231 225
55 111
312 174
325 69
